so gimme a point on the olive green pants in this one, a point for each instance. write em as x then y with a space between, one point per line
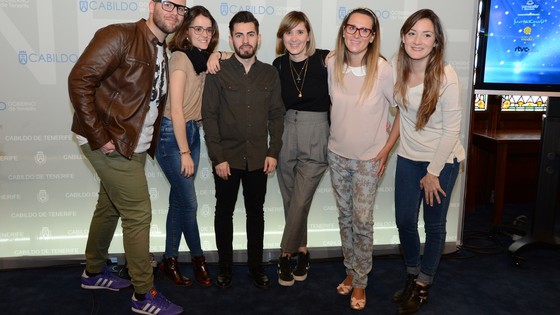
123 193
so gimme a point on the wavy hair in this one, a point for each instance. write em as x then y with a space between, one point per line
433 74
181 41
370 59
288 23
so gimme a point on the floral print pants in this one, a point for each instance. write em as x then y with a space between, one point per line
355 184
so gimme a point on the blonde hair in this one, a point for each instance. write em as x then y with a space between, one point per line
288 23
433 74
370 59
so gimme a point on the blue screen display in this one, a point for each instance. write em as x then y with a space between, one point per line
523 42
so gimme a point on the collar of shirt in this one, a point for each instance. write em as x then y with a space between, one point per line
238 63
357 71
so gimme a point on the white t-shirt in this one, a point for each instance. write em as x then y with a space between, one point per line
438 143
159 88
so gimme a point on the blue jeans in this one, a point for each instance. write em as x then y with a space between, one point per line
408 197
181 217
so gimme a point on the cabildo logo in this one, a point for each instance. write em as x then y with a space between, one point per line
86 5
154 194
40 158
25 57
15 4
231 9
45 232
42 196
205 211
342 13
205 173
381 14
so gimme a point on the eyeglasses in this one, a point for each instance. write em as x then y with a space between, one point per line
199 29
352 29
169 6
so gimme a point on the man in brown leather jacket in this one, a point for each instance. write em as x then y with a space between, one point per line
117 88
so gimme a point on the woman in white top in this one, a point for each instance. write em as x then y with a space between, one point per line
427 93
361 89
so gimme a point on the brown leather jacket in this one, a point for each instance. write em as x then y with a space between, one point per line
111 84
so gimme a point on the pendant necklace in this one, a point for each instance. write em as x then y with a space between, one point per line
299 80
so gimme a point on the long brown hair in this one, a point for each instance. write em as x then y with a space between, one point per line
370 59
434 73
180 40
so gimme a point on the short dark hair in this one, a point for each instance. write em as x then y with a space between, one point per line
243 17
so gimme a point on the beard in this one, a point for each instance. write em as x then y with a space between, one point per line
163 24
248 53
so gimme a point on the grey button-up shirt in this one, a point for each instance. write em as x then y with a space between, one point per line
243 115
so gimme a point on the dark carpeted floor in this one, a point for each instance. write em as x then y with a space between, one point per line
480 278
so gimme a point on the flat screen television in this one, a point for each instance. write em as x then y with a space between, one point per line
519 48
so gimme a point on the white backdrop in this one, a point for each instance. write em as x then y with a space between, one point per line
48 189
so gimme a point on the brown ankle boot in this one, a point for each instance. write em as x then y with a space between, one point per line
404 293
170 267
418 297
201 271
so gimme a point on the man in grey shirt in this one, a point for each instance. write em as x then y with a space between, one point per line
243 114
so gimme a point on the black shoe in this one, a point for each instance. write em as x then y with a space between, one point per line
260 279
223 280
406 291
418 298
302 267
285 277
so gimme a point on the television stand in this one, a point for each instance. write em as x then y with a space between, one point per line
543 228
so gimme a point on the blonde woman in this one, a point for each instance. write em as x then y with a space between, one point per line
361 89
303 157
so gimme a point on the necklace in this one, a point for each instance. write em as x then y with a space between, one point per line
300 81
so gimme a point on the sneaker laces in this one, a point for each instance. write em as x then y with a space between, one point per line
107 272
284 265
158 299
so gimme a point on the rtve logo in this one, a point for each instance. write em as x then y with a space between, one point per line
524 49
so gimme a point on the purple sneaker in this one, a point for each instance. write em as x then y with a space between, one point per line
104 280
155 303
